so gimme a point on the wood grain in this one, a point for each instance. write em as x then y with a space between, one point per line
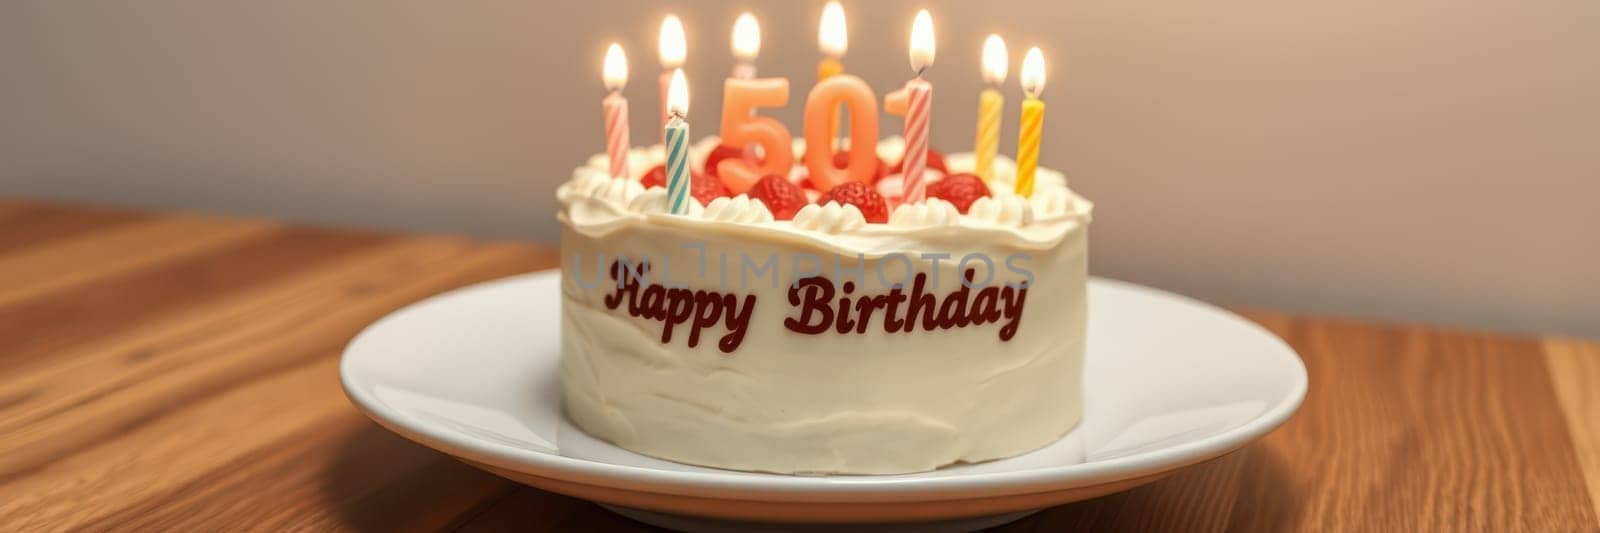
179 372
1575 368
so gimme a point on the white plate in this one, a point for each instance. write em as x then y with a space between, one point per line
1170 382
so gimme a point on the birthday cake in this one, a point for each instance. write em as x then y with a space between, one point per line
865 307
816 340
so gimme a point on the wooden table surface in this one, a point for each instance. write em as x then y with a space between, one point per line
179 372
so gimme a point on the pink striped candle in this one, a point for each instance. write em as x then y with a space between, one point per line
919 103
616 110
919 100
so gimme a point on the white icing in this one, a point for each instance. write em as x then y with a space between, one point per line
741 209
1051 201
654 201
930 212
619 191
1003 209
832 218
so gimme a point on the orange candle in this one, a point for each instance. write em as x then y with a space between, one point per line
741 128
821 112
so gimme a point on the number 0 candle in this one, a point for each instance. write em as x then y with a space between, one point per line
1032 121
919 103
677 136
616 110
990 106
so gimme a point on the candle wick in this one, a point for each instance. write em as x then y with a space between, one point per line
921 70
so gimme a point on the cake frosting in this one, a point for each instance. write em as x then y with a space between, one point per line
824 344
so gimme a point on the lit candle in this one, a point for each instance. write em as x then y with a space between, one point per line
672 48
919 101
832 39
742 129
677 136
1032 121
615 74
746 46
822 112
990 105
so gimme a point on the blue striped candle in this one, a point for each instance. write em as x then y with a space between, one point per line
677 136
678 165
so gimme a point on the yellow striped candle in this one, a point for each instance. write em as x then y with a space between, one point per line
991 104
1032 121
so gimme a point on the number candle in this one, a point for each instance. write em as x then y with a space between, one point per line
832 39
919 101
677 136
1032 121
741 128
672 48
990 105
746 46
616 110
821 111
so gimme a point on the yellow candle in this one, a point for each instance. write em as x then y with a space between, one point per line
832 39
742 128
990 106
1032 121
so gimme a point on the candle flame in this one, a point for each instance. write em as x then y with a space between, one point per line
832 36
1033 72
922 41
995 60
678 94
746 37
671 43
615 72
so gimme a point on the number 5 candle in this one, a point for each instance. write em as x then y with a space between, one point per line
990 105
1032 121
677 137
616 110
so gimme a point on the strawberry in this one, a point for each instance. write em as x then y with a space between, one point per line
959 189
656 177
935 161
705 188
861 195
783 198
842 160
721 152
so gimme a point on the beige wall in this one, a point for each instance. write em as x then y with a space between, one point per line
1422 160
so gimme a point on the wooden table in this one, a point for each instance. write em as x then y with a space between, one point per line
179 372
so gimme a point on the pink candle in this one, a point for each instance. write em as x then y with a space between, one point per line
616 110
919 103
821 108
741 128
919 98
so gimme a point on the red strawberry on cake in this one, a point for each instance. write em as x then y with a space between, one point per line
959 189
782 198
872 206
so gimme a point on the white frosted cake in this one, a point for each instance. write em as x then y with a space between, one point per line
839 337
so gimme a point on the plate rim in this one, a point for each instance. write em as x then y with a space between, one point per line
810 488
